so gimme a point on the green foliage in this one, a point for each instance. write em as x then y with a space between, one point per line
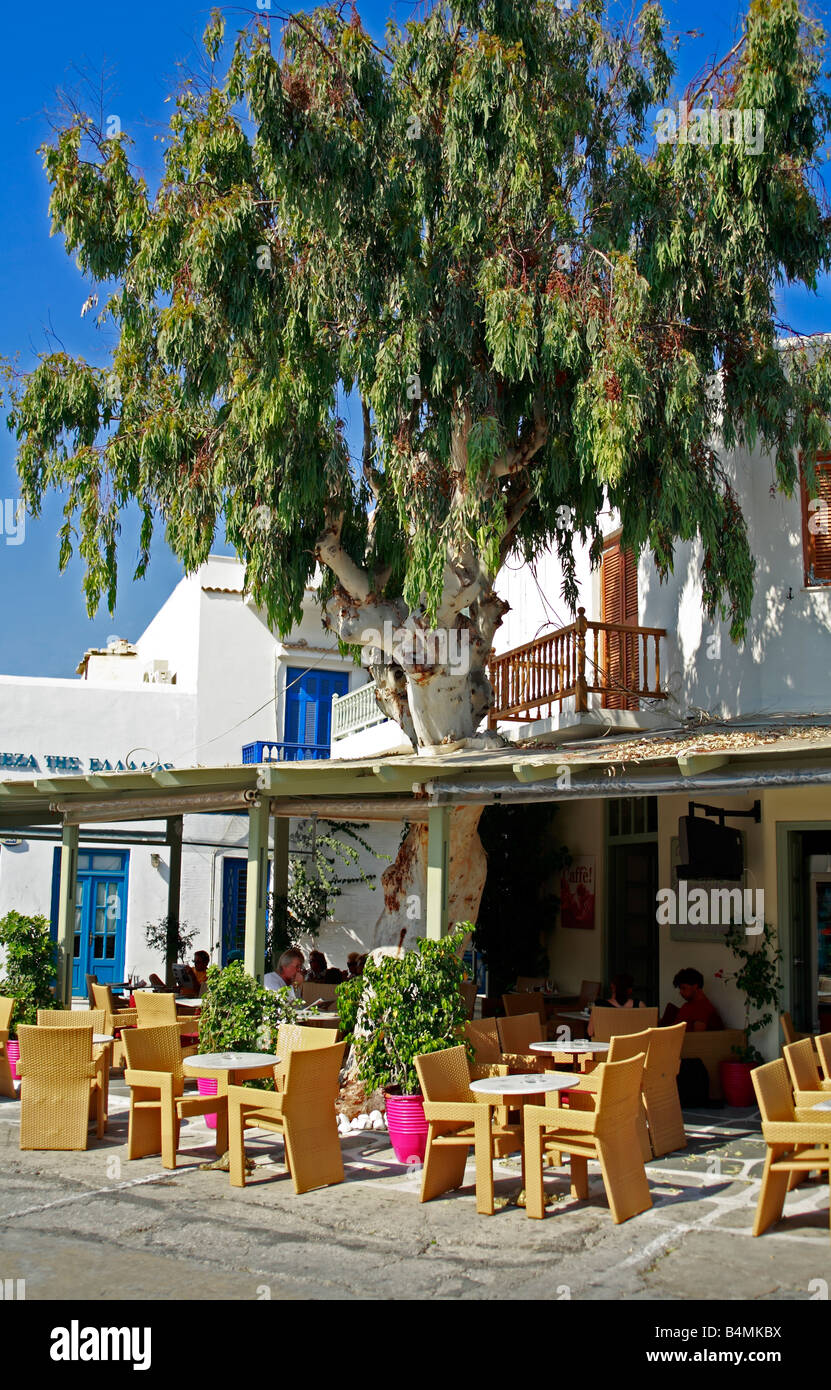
320 850
31 964
473 229
757 977
403 1007
156 937
240 1015
517 841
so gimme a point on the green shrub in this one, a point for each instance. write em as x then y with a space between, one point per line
241 1015
403 1007
31 966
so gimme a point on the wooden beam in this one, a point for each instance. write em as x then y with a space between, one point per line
438 871
256 890
66 915
152 807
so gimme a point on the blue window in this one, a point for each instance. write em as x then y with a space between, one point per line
100 915
308 724
234 886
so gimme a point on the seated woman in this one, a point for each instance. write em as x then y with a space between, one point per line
621 996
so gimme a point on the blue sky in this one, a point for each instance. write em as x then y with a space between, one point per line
138 48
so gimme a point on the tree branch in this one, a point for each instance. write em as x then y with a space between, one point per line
515 459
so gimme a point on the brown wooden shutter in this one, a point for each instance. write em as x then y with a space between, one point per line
816 544
619 575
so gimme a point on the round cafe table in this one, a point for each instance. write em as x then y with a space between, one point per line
527 1088
225 1068
578 1047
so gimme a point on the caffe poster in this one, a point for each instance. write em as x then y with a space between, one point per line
577 893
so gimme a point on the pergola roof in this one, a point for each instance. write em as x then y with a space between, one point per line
404 786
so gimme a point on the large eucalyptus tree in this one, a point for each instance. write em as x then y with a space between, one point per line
475 237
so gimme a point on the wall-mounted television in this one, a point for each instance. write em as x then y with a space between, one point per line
709 850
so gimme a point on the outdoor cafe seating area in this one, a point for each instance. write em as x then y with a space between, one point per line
509 1086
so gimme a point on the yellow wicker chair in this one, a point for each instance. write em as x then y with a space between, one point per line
457 1119
516 1033
661 1123
116 1019
6 1082
801 1060
609 1134
468 992
823 1046
157 1010
789 1033
303 1112
58 1079
613 1023
157 1099
293 1037
84 1018
797 1142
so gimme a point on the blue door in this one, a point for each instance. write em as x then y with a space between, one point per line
308 726
234 886
100 915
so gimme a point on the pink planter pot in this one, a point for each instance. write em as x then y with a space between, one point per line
13 1052
737 1084
407 1127
207 1087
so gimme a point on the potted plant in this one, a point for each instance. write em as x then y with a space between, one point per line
757 977
240 1015
30 970
397 1010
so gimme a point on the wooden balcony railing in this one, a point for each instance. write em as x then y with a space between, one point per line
621 663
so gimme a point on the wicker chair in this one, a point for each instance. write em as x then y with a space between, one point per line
84 1018
312 992
797 1142
801 1060
116 1019
6 1082
292 1037
528 983
589 991
304 1113
468 993
157 1100
59 1078
789 1033
609 1134
661 1125
456 1120
516 1033
156 1010
823 1045
611 1023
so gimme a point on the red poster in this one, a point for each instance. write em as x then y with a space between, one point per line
577 889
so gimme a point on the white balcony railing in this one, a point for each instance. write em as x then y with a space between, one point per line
357 710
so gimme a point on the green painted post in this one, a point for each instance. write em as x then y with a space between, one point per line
256 890
66 914
438 874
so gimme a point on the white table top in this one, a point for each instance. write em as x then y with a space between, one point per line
229 1061
582 1017
576 1045
329 1017
823 1105
102 1037
529 1083
190 1002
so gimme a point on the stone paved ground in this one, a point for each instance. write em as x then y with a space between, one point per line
93 1225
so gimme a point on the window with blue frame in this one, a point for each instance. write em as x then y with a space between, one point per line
308 723
234 894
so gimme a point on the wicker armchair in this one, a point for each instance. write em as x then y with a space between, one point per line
797 1141
6 1082
661 1123
823 1046
293 1037
801 1060
116 1019
157 1010
608 1133
456 1121
789 1033
85 1018
516 1033
58 1079
157 1100
611 1023
303 1112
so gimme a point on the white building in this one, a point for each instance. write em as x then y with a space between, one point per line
207 680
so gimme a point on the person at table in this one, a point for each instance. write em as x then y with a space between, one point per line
288 975
621 996
696 1011
355 964
195 975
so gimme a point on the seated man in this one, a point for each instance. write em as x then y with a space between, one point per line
288 975
697 1012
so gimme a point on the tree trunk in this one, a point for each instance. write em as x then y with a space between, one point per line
405 881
